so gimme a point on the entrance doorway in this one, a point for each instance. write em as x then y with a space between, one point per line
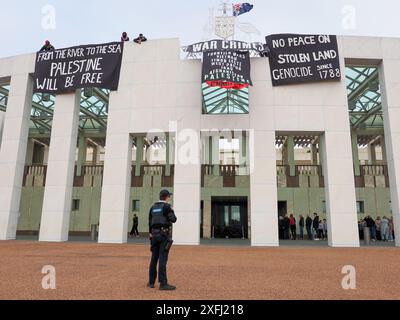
282 208
229 218
282 211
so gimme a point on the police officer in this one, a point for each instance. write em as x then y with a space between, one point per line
161 218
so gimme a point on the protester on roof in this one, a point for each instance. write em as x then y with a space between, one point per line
140 39
47 46
124 37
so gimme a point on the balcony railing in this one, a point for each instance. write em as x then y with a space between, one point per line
309 170
207 170
96 170
228 170
281 170
156 170
305 176
224 170
374 170
153 172
35 176
373 176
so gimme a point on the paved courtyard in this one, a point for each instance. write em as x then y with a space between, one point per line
87 270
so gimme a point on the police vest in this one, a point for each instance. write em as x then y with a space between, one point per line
158 217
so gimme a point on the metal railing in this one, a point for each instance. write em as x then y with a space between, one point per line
308 170
93 170
228 170
36 170
223 170
281 170
40 171
156 170
208 169
373 170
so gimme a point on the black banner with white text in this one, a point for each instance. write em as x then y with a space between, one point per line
220 45
302 58
65 70
229 66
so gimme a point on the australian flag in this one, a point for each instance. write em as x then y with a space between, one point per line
241 8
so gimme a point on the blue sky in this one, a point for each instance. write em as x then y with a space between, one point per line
97 21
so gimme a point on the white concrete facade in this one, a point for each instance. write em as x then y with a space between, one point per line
390 86
57 200
159 91
13 152
2 116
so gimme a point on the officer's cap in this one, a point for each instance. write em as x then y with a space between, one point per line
165 193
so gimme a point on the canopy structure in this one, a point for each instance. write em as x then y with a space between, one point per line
364 97
365 103
3 97
218 100
93 114
299 141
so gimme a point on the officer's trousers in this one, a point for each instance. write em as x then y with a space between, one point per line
159 254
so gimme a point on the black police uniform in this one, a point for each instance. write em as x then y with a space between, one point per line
161 217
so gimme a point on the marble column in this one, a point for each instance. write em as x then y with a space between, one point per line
57 201
215 154
340 192
29 152
82 150
263 189
168 155
187 187
290 155
139 155
115 195
390 82
13 152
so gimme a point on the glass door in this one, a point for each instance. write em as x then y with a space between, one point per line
229 220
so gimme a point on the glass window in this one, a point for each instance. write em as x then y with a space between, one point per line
235 216
226 215
76 204
360 206
136 205
218 100
229 151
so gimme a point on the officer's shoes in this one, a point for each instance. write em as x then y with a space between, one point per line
150 285
167 287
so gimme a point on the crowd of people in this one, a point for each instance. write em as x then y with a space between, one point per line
316 228
379 229
124 37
